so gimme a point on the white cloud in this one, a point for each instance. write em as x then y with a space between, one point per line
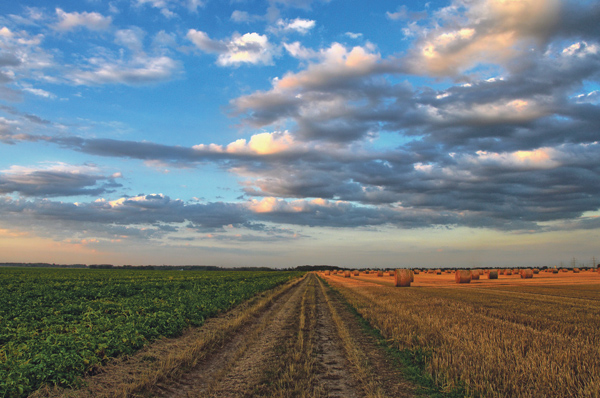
581 49
131 38
250 48
137 71
296 50
163 5
90 20
299 25
353 35
39 92
166 6
243 16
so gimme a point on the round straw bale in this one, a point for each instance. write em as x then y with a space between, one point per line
379 273
346 274
403 277
536 271
526 273
493 274
416 272
356 273
391 273
438 272
475 274
575 270
501 272
462 276
367 272
507 272
327 273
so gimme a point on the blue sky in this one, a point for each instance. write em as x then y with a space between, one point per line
286 132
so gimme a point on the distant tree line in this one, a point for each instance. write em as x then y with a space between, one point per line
151 267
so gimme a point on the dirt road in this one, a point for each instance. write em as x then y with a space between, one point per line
305 344
298 340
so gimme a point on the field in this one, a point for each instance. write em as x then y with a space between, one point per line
512 337
118 333
57 325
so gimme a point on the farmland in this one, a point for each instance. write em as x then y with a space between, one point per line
495 338
272 334
57 325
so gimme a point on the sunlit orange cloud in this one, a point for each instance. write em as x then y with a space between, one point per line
259 144
272 204
542 158
492 33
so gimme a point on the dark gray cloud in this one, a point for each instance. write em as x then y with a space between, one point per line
53 183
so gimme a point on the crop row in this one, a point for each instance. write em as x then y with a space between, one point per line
56 325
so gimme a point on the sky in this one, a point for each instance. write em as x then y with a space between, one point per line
287 132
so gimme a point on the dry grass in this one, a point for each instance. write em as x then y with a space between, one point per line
540 340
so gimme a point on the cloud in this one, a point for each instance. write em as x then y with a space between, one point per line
138 68
302 4
322 98
250 48
465 35
22 57
298 25
73 20
137 71
259 144
54 180
39 92
132 38
243 16
353 35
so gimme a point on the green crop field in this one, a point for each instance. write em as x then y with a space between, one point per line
58 324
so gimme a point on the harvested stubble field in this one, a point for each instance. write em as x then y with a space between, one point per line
509 337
